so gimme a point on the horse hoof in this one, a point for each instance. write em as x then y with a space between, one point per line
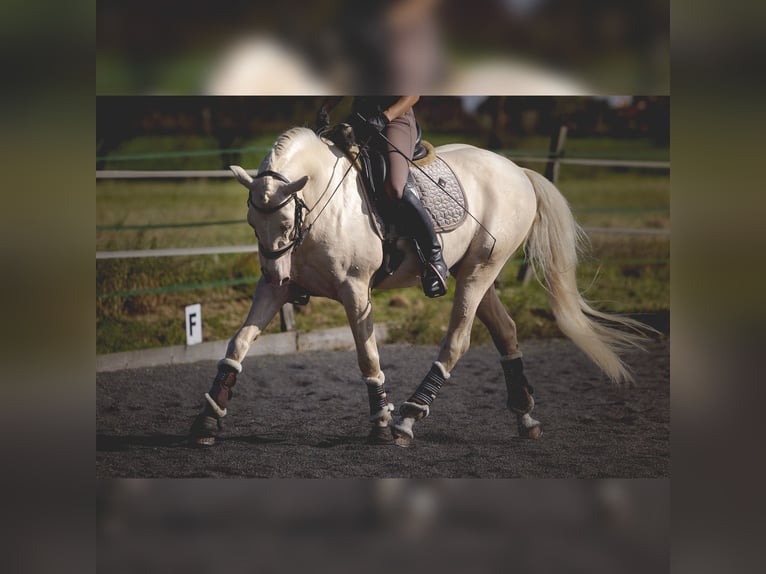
401 439
529 427
534 432
204 441
203 430
379 435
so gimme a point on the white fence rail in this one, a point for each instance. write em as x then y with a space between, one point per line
164 174
224 249
225 173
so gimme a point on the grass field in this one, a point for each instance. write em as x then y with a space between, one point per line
140 301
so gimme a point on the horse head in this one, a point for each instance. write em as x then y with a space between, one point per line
275 213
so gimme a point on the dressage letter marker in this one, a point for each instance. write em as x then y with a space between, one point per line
193 324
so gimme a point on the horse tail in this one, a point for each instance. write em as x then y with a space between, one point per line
553 246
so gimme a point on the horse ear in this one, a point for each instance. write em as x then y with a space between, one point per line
295 186
241 175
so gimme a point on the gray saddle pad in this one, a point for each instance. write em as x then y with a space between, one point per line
441 194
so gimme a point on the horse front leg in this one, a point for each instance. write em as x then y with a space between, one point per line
267 300
355 297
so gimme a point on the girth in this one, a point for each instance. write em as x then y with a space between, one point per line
373 163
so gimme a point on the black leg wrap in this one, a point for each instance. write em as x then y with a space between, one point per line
429 387
205 425
208 423
380 409
298 295
221 391
520 392
377 398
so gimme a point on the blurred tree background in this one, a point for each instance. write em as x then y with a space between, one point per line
228 123
146 47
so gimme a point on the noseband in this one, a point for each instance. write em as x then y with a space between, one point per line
299 231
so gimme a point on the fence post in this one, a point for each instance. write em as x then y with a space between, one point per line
555 153
287 318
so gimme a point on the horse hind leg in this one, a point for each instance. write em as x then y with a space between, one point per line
502 329
470 286
520 397
418 406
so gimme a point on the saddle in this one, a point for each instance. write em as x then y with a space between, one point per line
438 188
373 164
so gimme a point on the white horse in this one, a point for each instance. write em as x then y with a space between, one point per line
315 232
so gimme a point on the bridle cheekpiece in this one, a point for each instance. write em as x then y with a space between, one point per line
299 231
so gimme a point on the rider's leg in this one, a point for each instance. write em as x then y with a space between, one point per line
402 133
419 226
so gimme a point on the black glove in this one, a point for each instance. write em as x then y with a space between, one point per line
323 120
378 121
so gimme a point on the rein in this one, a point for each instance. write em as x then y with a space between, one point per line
421 170
300 232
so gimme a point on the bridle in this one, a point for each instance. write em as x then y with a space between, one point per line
299 231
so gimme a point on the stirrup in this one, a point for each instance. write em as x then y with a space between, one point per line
434 283
301 299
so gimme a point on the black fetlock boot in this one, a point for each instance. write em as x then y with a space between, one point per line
418 225
520 392
207 425
520 397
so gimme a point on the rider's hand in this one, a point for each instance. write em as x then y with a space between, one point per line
378 121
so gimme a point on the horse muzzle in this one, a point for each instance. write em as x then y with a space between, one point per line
276 271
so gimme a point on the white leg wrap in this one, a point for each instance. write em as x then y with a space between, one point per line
443 369
383 415
218 410
405 427
231 363
375 381
422 410
527 421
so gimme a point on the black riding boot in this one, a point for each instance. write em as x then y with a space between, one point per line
418 225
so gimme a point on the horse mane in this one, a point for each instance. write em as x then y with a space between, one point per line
290 138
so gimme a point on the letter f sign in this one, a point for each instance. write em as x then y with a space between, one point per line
193 324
